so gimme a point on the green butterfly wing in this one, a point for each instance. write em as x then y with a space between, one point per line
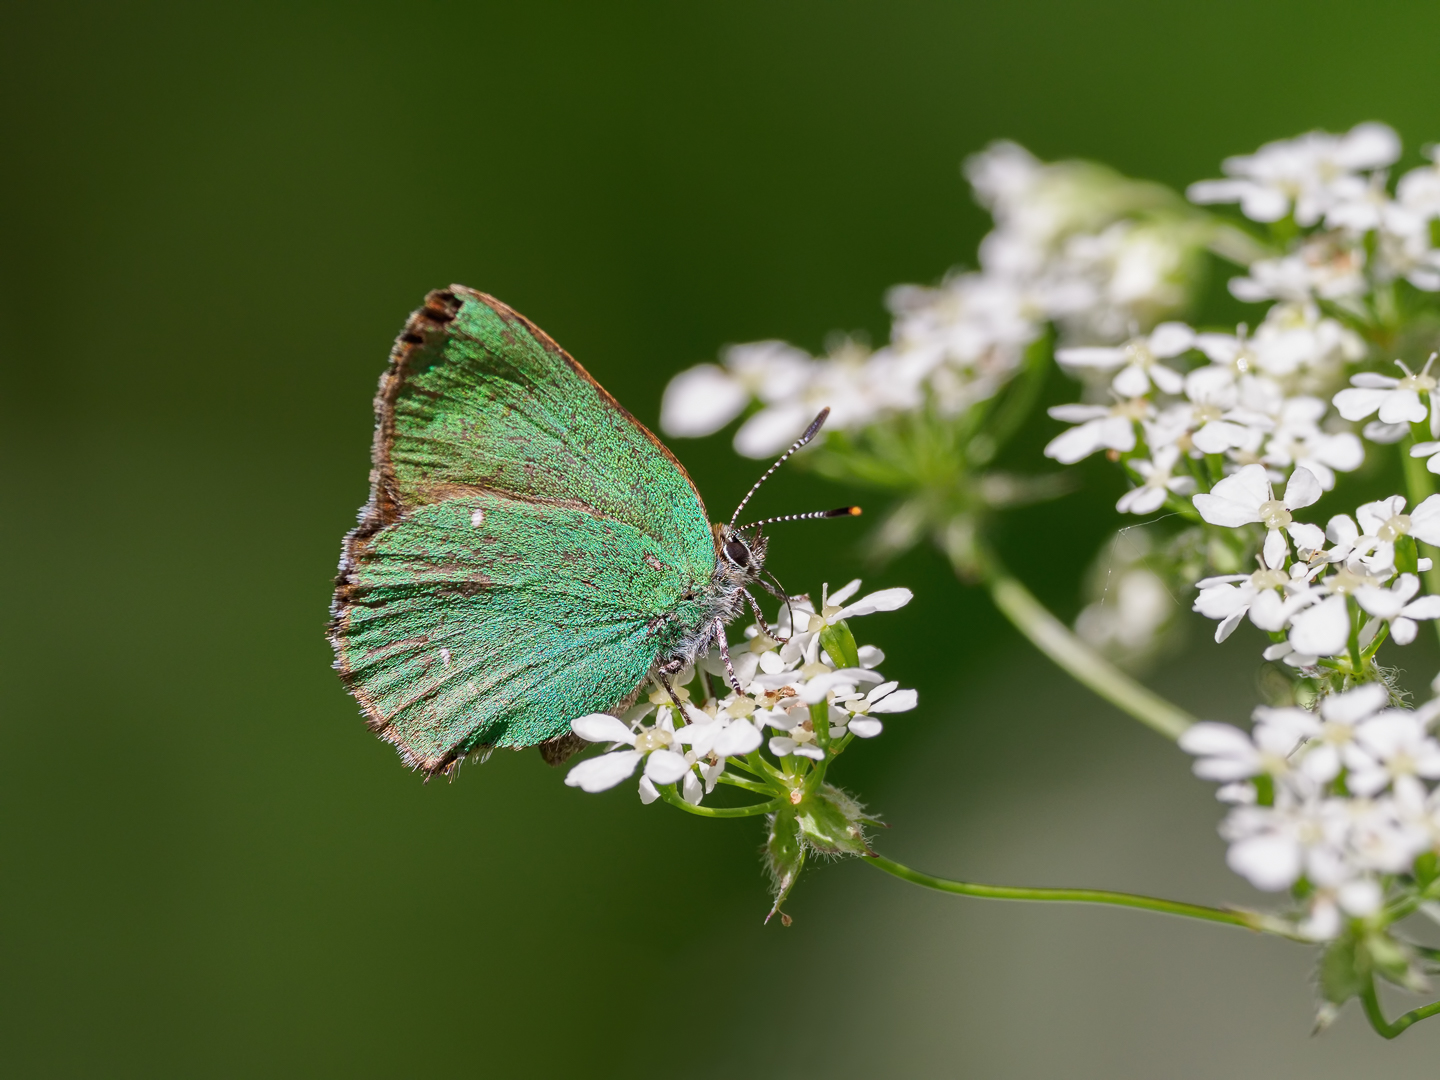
528 550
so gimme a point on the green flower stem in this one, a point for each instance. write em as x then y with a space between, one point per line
1075 896
1084 664
670 795
748 785
1388 1029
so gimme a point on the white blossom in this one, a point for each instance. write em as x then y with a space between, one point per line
1139 360
1397 401
1097 428
1389 748
1158 483
1396 606
1305 174
1246 497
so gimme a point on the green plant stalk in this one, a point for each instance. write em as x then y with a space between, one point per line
1084 664
671 796
1388 1029
1243 919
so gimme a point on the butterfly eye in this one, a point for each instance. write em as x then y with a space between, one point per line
737 552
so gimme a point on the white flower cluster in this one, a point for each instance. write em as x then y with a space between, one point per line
1074 244
782 681
1247 404
1318 595
1335 186
1341 803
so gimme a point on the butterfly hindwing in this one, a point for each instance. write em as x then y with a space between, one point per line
525 549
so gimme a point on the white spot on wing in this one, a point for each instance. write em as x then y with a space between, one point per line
445 656
477 518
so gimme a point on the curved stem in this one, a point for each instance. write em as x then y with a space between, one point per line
669 794
1084 664
748 785
1075 896
1388 1029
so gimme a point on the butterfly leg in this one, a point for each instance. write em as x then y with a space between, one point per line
770 631
664 680
725 655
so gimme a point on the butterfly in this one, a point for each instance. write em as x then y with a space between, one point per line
529 553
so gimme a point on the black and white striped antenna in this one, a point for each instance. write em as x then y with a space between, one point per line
810 433
839 511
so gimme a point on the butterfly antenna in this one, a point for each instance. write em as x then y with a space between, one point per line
839 511
810 433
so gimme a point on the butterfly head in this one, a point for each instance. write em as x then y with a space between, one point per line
741 551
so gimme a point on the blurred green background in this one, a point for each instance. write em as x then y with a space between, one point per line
215 219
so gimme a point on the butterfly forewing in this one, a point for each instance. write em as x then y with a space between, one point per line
525 549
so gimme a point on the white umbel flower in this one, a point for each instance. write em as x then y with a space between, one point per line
1299 173
1397 401
1396 606
1097 428
1159 482
1246 498
1139 360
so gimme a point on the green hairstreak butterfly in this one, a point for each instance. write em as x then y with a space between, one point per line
530 553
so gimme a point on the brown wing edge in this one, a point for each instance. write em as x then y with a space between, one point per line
424 327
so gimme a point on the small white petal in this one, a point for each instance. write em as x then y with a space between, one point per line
866 727
1171 339
1303 489
1322 630
1208 738
1360 897
1228 625
1354 704
602 727
1220 511
692 790
884 600
1307 537
1275 548
701 401
648 791
665 766
739 737
1267 862
817 688
603 772
899 701
781 746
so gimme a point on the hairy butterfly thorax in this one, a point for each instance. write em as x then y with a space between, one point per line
530 553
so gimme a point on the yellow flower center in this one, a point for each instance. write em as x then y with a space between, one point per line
1274 515
1394 528
1269 579
652 739
1421 383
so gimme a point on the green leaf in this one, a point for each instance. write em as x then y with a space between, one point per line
1407 557
1427 869
1388 958
830 822
1341 974
784 858
840 644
